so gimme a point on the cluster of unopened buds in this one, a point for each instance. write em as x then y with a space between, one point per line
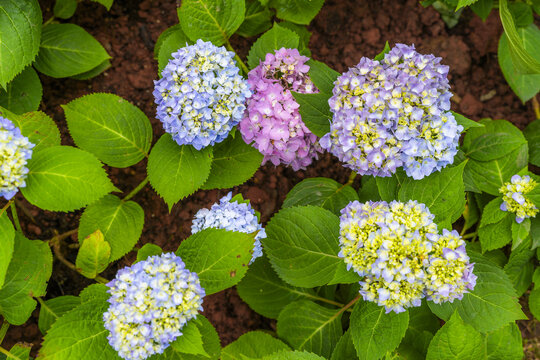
514 199
402 258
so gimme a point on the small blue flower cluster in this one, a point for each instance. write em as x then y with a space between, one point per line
150 303
232 216
201 95
397 249
15 150
514 199
393 113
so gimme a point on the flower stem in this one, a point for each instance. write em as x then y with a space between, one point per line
5 207
236 57
51 19
470 235
351 178
346 307
536 107
3 330
136 190
15 217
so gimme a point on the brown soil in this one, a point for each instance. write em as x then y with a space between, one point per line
343 32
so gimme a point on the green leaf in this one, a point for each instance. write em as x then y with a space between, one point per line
64 178
53 309
20 351
389 187
311 327
532 133
164 35
94 292
254 344
344 349
292 355
493 302
494 145
120 222
106 3
323 192
322 76
211 20
115 131
422 325
457 340
520 232
302 245
67 50
26 278
534 302
386 50
482 8
368 190
94 72
173 39
23 94
93 256
64 9
495 226
148 250
20 31
315 112
304 34
374 332
274 39
522 14
37 126
520 268
218 256
465 122
257 19
297 11
7 244
191 341
79 334
505 343
535 232
463 3
175 171
233 164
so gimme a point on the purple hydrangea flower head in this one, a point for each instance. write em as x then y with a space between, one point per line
272 122
393 113
150 302
15 151
514 199
232 216
201 95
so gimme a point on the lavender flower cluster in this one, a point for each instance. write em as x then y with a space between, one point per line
201 95
397 249
272 121
232 216
150 303
514 199
15 151
393 113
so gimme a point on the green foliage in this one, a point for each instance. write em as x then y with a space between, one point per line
520 268
191 341
64 9
111 128
257 19
234 163
20 32
23 94
64 178
177 171
7 245
93 256
465 122
68 50
322 76
254 344
532 133
148 250
482 8
51 310
495 226
93 72
374 332
344 349
505 343
303 33
26 277
293 355
274 39
20 351
534 302
37 126
211 20
106 3
315 112
422 325
522 14
323 192
297 11
218 256
169 42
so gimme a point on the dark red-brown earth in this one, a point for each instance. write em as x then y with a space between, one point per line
343 32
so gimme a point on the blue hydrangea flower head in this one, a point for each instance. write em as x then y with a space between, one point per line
514 199
232 216
392 113
150 302
15 151
201 95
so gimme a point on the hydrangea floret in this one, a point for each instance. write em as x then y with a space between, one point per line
232 216
393 113
514 199
272 122
201 95
150 302
397 249
15 151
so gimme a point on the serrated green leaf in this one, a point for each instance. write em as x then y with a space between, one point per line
274 39
37 126
297 11
323 192
463 3
173 39
368 189
94 292
93 72
253 345
532 133
457 340
26 277
64 178
20 351
191 341
20 31
534 302
505 343
520 232
482 8
233 164
115 131
494 145
293 355
177 171
257 19
522 14
211 20
164 35
344 349
422 325
67 50
311 327
148 250
493 302
386 50
535 232
374 332
7 244
520 268
322 76
465 122
23 94
304 34
106 3
51 310
64 9
389 187
315 112
93 256
495 226
218 256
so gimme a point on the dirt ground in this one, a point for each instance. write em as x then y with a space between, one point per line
343 32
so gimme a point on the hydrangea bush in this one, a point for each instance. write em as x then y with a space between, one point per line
422 253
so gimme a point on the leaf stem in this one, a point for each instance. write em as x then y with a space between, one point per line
5 207
15 217
536 107
3 330
62 236
5 352
236 57
51 19
470 235
136 190
351 303
351 178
